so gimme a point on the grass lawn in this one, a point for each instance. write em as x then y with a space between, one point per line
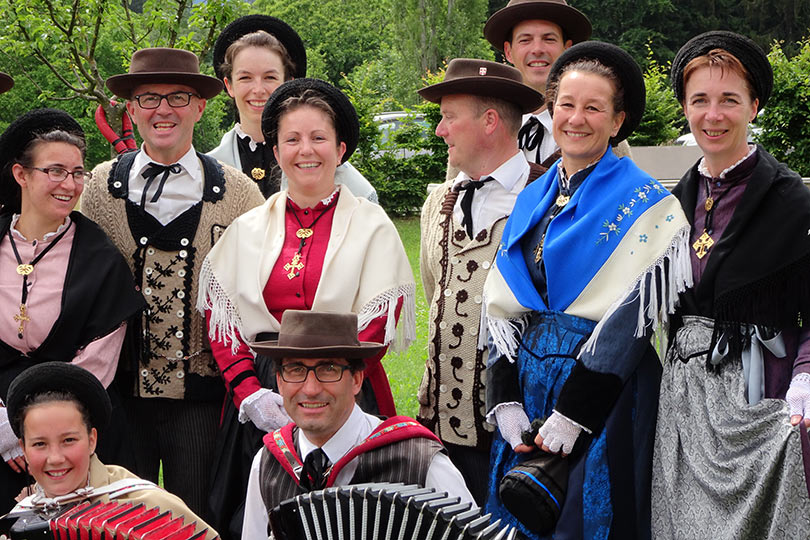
405 369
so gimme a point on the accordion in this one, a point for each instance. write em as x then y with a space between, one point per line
382 511
103 521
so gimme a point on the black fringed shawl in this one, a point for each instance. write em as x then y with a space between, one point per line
759 270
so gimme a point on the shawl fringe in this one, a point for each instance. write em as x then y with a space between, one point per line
399 336
505 334
225 321
658 288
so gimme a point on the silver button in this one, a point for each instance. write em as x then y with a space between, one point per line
180 375
181 273
117 184
217 228
180 313
150 251
443 415
442 357
448 292
455 260
215 189
485 265
478 299
179 334
469 424
144 373
147 291
144 240
181 294
184 242
442 388
471 365
148 271
183 253
179 354
442 325
473 331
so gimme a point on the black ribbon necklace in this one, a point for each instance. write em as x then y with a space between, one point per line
705 242
564 195
295 265
24 270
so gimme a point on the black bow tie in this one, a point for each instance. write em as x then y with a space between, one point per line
315 471
528 140
151 172
466 202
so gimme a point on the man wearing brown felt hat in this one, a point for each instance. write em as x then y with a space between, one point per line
482 104
164 206
319 366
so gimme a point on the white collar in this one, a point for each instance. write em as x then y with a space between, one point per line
241 134
705 172
351 433
16 217
507 174
188 161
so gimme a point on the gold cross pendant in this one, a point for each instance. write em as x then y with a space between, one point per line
703 244
538 250
294 266
22 318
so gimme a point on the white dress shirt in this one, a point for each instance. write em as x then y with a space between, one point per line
181 191
442 475
548 146
495 199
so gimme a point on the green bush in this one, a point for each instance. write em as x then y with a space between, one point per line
784 121
662 116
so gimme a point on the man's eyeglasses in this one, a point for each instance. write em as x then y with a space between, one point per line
324 372
58 174
150 100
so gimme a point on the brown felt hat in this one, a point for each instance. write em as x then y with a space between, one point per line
317 334
162 65
484 78
6 82
575 25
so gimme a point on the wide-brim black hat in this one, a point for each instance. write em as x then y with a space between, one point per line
346 123
273 26
16 138
625 67
575 25
6 82
162 65
58 377
750 55
317 334
484 78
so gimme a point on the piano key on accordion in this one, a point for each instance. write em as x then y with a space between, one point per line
382 512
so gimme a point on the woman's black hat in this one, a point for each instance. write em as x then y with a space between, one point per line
58 377
346 122
750 55
625 67
273 26
6 82
17 136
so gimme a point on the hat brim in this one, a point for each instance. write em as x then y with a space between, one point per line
271 349
575 25
273 26
528 99
6 83
59 377
625 67
123 85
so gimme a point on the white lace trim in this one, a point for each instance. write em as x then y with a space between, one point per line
660 299
705 172
399 336
225 321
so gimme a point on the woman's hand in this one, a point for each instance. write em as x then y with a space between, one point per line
512 422
798 398
265 409
557 433
10 450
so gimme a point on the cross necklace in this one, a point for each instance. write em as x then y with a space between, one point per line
24 270
295 265
705 242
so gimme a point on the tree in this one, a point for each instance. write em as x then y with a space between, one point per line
662 115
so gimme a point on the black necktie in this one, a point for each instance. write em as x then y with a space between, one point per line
315 470
151 172
466 202
528 140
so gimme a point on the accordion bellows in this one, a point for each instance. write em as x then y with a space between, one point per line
105 521
382 511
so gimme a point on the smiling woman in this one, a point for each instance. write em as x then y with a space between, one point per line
65 291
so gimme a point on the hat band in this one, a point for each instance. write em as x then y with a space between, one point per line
315 340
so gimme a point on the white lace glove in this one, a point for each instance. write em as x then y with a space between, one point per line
798 395
9 444
559 432
512 422
265 409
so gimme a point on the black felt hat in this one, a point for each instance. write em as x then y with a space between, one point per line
16 138
58 377
346 123
625 67
273 26
750 55
484 78
6 82
162 65
575 25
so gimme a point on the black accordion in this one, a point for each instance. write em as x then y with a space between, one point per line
382 511
102 521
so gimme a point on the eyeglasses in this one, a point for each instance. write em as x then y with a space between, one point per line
175 100
58 174
324 372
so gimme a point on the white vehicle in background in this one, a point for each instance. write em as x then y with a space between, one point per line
389 123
